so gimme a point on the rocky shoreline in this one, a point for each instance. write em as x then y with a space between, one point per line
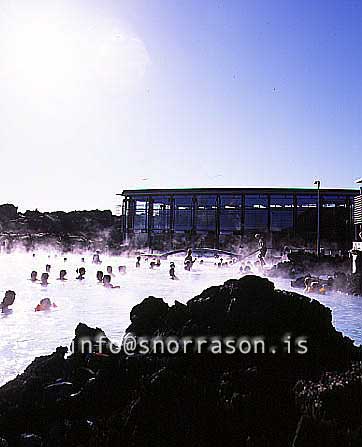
59 230
299 266
208 399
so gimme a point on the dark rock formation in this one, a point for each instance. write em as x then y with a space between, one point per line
337 267
147 317
299 264
74 230
253 400
331 408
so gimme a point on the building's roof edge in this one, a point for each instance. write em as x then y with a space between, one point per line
229 190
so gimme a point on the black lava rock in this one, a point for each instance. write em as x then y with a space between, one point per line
266 399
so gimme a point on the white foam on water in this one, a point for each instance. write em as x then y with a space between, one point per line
25 334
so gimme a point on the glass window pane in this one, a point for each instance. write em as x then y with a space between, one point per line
281 219
206 213
257 201
256 219
161 213
183 213
230 219
206 201
307 201
230 202
333 201
281 201
140 216
183 201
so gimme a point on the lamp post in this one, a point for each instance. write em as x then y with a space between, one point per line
318 184
359 182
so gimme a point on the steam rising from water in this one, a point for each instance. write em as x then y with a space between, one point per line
25 334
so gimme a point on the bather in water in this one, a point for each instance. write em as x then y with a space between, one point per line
45 304
7 301
81 273
96 259
34 276
172 271
100 276
62 275
107 282
122 269
44 279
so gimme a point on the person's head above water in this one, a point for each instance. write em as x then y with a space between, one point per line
107 280
109 269
33 275
44 278
95 258
62 274
8 300
9 297
45 302
100 276
47 268
81 272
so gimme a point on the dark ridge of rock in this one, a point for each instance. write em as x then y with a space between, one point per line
67 231
87 339
337 267
332 408
331 397
204 400
147 317
176 317
302 263
30 440
250 307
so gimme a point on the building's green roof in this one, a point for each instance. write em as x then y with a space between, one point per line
248 190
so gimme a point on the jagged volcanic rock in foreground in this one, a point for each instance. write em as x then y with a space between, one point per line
197 399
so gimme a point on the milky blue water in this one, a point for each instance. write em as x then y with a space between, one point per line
25 334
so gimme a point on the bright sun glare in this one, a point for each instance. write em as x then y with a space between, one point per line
55 52
41 55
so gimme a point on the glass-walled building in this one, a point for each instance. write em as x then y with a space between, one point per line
222 217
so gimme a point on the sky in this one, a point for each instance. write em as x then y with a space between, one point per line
97 96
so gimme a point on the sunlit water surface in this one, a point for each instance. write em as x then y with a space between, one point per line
25 334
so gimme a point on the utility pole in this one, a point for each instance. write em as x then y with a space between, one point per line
318 184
